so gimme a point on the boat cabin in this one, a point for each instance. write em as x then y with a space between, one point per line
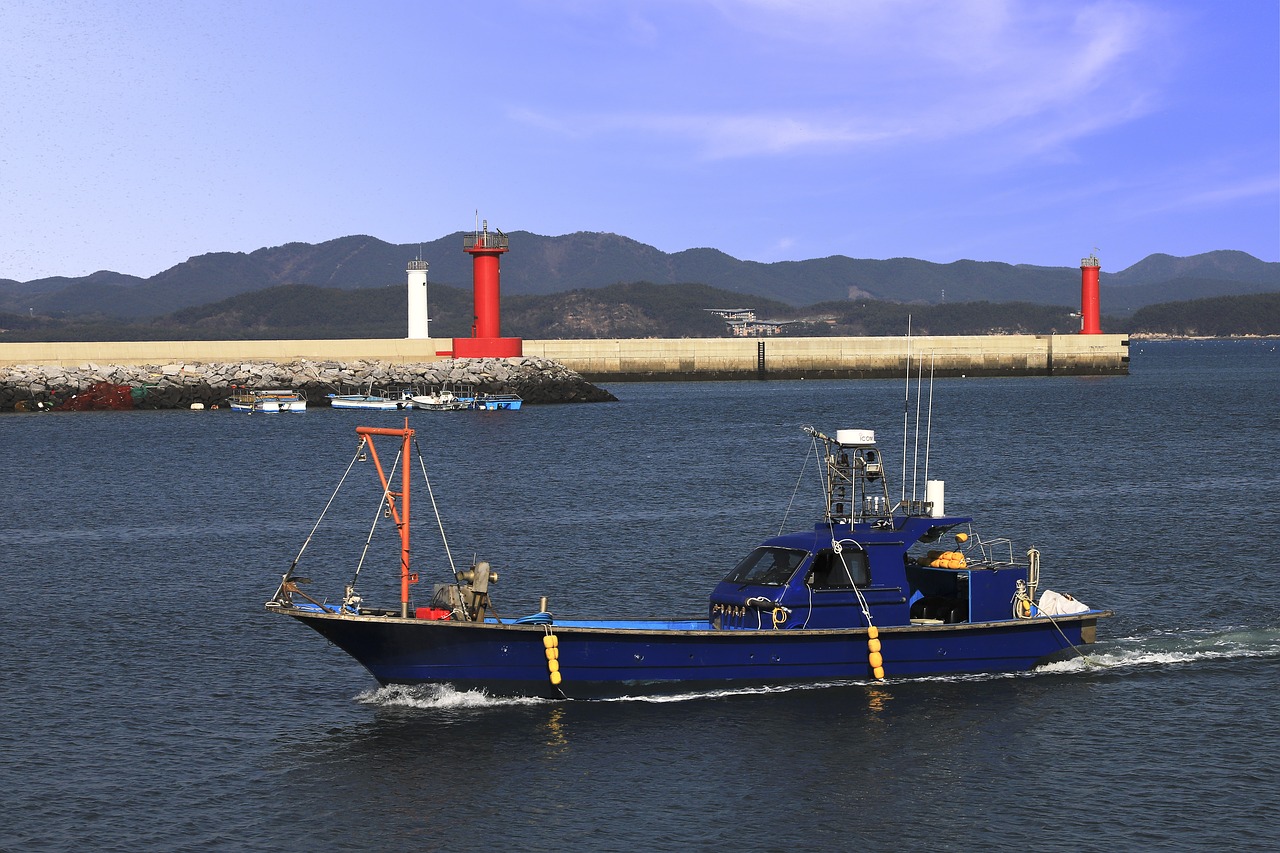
870 561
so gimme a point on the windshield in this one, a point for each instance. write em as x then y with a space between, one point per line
769 566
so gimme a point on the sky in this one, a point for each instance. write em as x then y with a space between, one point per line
136 134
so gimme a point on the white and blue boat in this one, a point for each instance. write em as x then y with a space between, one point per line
444 398
268 402
875 589
373 399
496 402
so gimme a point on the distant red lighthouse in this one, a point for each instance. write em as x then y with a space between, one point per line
486 341
1090 306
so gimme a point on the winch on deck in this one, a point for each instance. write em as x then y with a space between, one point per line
467 599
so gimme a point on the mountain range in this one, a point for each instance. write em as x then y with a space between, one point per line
539 265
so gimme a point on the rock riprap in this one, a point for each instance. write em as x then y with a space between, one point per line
180 384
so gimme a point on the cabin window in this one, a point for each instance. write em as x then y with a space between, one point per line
840 571
769 566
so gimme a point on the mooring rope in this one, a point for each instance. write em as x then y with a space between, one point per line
1067 640
874 658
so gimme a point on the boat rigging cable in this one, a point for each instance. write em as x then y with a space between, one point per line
431 493
316 526
386 494
813 451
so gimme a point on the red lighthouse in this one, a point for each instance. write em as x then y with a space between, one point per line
486 341
1090 310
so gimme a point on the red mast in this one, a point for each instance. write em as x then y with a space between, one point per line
486 339
1090 310
399 508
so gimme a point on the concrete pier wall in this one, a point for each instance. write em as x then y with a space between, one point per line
784 358
650 358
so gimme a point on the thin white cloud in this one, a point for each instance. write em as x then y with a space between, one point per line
717 137
1219 194
913 71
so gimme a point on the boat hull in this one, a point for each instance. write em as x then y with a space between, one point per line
268 402
369 403
497 403
435 404
622 658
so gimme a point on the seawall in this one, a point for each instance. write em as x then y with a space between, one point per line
181 384
648 358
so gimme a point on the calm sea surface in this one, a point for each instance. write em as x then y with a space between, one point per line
149 702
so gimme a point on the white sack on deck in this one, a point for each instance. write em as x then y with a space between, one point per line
1060 604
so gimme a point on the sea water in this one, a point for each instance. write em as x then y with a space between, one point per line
149 702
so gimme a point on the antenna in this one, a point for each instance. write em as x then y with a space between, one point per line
915 463
906 402
928 430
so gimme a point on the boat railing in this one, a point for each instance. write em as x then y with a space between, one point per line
998 551
485 240
913 508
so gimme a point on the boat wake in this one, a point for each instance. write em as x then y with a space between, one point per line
698 695
1174 648
437 697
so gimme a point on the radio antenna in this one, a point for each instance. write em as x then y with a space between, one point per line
906 402
928 430
915 462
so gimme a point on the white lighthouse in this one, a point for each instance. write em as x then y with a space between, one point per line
418 299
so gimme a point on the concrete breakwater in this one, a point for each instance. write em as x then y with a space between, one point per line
177 385
838 358
660 359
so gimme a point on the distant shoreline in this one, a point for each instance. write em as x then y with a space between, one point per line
1148 337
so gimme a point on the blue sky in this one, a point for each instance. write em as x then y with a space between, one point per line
136 134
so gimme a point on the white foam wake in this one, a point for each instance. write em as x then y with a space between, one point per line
437 697
1174 649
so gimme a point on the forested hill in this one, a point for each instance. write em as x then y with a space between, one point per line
626 311
538 265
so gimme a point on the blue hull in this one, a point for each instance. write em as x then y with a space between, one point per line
602 659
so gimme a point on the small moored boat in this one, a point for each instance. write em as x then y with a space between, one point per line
443 399
874 589
496 402
268 402
373 399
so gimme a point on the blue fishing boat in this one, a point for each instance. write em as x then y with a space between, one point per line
875 589
496 402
